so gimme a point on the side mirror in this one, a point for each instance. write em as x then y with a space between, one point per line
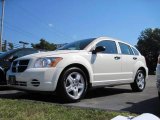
13 58
99 49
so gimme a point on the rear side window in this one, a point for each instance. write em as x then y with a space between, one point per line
126 49
110 46
135 51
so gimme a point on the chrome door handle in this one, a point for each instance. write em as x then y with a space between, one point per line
117 58
134 58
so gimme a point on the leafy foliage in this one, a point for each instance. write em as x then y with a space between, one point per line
149 46
44 45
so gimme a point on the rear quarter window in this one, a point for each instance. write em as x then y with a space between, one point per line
136 52
125 49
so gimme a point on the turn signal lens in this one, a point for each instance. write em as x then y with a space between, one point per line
55 62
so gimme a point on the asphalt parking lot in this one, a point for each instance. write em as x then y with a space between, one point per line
114 98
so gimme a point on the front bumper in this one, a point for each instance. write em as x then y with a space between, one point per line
36 79
158 77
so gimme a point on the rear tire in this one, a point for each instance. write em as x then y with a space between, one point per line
139 83
159 95
72 85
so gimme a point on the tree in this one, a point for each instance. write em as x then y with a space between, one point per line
149 46
44 45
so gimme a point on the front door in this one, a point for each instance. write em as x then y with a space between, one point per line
107 64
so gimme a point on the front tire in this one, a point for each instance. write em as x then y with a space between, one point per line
139 83
2 79
72 84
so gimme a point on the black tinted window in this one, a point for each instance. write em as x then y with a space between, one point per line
4 55
24 52
135 51
126 49
110 46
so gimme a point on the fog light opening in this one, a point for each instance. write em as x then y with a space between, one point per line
35 83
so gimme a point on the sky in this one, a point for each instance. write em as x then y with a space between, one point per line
64 21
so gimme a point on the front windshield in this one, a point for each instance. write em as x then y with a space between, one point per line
77 45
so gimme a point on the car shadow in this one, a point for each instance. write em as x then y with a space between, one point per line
95 93
21 95
107 91
147 106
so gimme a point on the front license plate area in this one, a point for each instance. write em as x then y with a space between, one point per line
12 80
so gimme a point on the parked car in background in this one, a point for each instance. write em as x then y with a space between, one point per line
7 58
158 76
1 52
79 66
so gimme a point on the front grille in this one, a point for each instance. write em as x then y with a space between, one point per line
19 83
19 66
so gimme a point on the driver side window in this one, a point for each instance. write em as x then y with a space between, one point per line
110 46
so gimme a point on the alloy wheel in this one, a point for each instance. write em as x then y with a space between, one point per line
75 85
140 80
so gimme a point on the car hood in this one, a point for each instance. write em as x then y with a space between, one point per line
47 54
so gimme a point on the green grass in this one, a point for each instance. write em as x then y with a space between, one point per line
31 110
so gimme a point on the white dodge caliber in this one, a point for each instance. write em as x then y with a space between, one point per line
71 70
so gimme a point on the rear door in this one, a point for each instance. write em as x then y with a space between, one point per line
128 61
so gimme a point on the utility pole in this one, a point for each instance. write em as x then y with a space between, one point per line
2 18
24 43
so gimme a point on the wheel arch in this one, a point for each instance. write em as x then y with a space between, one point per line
144 70
140 66
82 67
135 87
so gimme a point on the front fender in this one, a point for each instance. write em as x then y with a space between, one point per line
77 59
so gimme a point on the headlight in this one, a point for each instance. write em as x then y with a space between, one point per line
47 62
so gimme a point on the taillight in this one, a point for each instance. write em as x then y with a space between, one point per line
158 60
